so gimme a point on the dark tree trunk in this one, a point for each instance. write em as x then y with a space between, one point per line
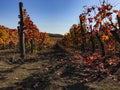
101 44
92 41
116 36
83 37
32 46
114 32
118 19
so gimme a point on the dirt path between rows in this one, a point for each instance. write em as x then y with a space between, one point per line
11 74
46 71
16 73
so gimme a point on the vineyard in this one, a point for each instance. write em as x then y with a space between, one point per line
85 58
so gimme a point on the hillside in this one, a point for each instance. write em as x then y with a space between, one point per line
55 35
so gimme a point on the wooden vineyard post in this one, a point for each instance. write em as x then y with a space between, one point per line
21 31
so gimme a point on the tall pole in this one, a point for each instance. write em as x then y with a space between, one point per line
21 31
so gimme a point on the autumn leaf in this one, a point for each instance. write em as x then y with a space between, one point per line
105 37
119 14
90 20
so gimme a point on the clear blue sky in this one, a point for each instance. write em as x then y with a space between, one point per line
53 16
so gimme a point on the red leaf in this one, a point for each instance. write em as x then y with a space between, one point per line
90 20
